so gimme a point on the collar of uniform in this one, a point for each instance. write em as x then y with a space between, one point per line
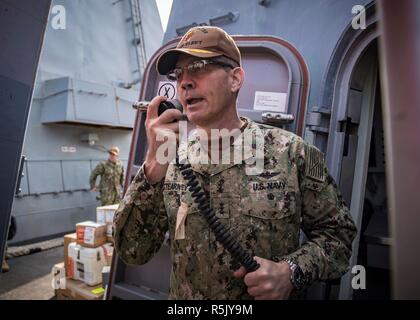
113 163
200 161
256 135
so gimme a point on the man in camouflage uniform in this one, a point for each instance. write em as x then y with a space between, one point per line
112 177
263 210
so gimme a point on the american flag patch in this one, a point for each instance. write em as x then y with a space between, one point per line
315 165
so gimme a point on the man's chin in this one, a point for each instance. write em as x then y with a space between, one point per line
197 118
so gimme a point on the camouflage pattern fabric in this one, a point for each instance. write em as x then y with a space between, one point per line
110 185
264 213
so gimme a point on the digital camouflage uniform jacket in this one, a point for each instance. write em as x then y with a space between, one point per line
264 212
112 177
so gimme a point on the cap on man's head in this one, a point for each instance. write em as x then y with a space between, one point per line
202 42
115 151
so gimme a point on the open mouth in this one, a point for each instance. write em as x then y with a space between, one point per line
193 101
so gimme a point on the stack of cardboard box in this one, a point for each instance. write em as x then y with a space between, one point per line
69 289
86 253
105 214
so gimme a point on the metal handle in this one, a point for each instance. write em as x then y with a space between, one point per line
277 118
164 105
141 105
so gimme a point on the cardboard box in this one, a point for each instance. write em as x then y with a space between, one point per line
91 234
58 275
77 290
109 233
105 214
68 238
109 251
86 264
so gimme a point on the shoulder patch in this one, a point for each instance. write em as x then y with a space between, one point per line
315 165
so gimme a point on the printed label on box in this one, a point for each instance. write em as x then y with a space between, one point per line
80 234
70 267
80 271
89 235
109 216
100 216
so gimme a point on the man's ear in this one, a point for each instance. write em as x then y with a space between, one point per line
237 79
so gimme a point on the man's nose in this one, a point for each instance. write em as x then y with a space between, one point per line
186 81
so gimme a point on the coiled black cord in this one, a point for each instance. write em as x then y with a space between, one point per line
222 235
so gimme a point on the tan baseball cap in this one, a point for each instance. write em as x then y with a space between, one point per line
114 151
202 42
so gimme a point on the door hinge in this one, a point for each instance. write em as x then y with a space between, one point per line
318 119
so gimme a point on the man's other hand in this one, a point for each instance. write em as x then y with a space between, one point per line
271 281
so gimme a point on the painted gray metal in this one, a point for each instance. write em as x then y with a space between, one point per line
77 101
18 65
313 27
360 110
335 95
95 54
402 116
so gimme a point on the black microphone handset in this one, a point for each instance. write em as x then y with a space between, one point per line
169 104
203 202
142 106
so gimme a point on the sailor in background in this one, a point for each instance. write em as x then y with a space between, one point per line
112 177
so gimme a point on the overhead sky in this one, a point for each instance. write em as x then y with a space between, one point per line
164 7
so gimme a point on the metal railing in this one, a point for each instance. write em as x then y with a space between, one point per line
26 178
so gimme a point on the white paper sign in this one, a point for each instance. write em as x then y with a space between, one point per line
167 89
68 149
270 101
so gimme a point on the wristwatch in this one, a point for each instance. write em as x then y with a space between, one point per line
297 277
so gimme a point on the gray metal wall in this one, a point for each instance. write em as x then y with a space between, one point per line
321 23
96 47
19 19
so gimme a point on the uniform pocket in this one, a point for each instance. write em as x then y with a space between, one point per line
269 196
269 205
270 221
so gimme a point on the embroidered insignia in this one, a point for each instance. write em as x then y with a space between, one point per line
268 175
315 165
